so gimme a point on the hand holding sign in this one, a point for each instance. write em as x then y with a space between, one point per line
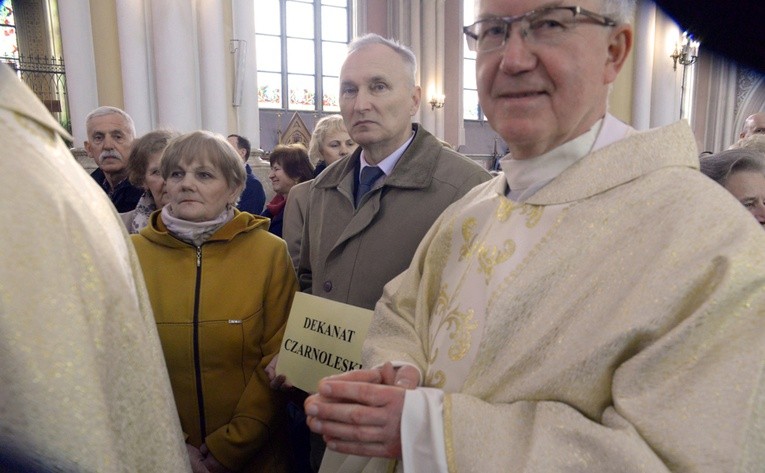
322 338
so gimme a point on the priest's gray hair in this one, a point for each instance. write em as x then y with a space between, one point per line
619 10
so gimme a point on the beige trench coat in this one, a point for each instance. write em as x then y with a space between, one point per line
349 254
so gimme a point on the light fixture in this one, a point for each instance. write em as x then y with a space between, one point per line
686 51
436 101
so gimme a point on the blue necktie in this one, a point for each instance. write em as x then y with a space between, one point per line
368 177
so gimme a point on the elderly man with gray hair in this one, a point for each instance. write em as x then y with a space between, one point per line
598 306
111 133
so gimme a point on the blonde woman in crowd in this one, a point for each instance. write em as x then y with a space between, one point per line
330 142
221 287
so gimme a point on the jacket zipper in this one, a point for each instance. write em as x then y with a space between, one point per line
197 362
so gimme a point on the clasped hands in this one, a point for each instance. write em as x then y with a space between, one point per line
359 412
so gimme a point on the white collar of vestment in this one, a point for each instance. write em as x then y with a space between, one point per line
526 176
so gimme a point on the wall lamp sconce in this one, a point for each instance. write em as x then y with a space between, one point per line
686 52
436 101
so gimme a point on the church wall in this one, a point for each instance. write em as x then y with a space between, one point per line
471 137
103 16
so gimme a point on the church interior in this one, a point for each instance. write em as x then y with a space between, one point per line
196 64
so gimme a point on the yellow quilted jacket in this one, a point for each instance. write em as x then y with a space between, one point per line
221 309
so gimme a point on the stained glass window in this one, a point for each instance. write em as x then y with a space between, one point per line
301 45
9 47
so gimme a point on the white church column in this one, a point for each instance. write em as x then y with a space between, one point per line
420 25
432 64
135 55
667 82
248 116
80 65
175 47
213 51
645 25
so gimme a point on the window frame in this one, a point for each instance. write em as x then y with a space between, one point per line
318 73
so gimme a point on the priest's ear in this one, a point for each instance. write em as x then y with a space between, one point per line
619 47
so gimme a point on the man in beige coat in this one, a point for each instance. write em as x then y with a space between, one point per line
83 383
352 246
575 313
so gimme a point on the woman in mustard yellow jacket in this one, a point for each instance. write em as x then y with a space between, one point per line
221 287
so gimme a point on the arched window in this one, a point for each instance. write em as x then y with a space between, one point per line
300 46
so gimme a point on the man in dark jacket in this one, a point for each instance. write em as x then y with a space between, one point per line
254 197
110 137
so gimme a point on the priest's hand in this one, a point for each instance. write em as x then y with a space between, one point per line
360 412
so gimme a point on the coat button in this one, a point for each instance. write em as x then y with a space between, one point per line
327 286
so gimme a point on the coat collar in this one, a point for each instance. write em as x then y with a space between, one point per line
414 169
156 231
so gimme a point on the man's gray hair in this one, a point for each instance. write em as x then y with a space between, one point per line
619 10
410 60
106 110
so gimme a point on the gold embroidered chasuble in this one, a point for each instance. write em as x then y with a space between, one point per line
615 321
83 383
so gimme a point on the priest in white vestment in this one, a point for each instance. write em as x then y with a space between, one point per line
83 383
598 306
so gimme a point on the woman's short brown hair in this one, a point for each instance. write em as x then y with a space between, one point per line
205 144
145 146
294 161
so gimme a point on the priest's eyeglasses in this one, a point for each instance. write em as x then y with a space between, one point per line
543 26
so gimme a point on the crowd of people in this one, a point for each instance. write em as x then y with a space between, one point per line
598 305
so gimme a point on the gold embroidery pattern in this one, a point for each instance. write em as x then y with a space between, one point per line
533 213
459 324
438 256
505 209
436 380
468 236
463 324
488 258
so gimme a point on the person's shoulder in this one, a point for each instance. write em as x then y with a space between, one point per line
299 192
254 228
446 155
455 167
334 173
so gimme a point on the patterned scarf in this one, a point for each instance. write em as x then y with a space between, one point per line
144 208
195 233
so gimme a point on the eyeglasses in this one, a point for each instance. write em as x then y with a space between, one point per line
544 26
